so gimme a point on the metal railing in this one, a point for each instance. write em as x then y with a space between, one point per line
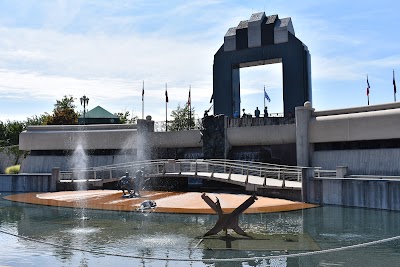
319 173
252 121
213 166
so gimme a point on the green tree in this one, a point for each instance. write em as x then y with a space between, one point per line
124 117
38 120
64 112
9 132
181 118
3 130
13 129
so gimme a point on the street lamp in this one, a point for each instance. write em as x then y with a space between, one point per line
84 102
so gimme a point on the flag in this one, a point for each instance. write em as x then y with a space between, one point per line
166 94
368 87
143 91
394 83
189 100
266 96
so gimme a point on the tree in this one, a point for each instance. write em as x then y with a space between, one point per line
124 117
9 132
3 129
64 112
181 118
13 129
38 120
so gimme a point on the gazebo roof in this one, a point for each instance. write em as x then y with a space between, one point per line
99 112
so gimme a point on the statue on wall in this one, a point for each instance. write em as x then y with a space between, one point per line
213 136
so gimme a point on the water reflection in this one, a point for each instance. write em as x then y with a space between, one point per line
103 237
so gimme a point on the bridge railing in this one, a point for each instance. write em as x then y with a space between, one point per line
318 173
158 167
275 171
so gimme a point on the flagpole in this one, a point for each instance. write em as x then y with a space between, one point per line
166 109
190 108
264 98
143 101
394 87
368 89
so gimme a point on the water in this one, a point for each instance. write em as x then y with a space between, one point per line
79 162
62 237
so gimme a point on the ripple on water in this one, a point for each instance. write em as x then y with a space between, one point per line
82 230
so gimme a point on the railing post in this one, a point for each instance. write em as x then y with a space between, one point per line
283 180
247 177
195 169
265 179
230 173
164 171
279 174
180 168
212 173
110 173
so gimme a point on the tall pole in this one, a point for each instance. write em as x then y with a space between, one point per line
394 87
166 108
143 101
368 87
190 108
264 97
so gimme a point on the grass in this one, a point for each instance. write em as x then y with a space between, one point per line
13 169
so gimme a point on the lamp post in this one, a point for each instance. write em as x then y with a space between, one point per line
84 102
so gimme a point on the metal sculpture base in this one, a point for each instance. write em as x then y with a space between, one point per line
227 221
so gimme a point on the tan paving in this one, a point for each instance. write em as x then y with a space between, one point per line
170 202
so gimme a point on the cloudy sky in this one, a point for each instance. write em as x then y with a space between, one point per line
105 49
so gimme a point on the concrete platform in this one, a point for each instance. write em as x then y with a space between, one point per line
168 202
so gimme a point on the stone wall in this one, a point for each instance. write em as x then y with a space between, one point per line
28 183
360 161
44 164
364 193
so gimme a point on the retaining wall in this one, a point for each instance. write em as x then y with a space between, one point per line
360 161
351 192
44 182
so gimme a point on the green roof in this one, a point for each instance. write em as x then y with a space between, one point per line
99 113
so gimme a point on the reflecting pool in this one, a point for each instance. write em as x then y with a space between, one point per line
33 235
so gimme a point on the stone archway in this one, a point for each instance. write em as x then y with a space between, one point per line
261 40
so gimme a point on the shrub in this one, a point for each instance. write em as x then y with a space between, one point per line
13 169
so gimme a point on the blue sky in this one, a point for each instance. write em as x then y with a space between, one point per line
105 49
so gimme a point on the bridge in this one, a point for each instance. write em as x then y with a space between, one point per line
251 176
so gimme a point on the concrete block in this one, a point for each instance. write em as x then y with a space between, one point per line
254 29
230 40
341 171
282 29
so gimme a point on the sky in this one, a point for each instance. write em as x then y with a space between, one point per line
105 49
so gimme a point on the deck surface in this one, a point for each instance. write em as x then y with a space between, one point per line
169 202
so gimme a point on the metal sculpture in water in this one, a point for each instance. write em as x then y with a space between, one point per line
227 221
132 185
127 183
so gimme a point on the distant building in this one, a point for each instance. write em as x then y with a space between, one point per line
98 115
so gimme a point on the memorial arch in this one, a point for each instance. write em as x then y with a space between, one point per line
261 40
